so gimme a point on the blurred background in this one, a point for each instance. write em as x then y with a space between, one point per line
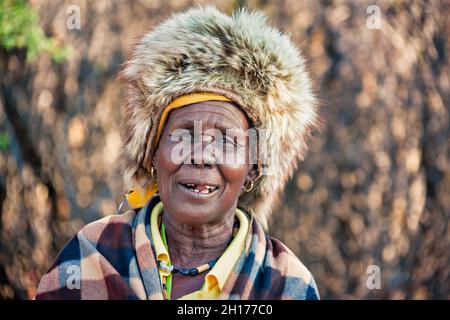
374 189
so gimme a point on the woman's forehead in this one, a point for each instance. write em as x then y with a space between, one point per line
225 113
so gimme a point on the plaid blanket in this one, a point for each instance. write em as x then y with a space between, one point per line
113 258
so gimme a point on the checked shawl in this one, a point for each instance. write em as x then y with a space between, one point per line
113 258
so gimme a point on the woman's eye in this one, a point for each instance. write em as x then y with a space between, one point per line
180 135
176 137
226 140
229 141
209 139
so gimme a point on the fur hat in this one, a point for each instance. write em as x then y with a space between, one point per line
239 57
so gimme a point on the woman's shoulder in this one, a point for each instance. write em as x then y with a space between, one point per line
292 267
110 224
279 248
101 248
109 232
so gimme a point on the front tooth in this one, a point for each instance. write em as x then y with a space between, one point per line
196 190
205 191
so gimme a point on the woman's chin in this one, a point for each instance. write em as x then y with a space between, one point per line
191 217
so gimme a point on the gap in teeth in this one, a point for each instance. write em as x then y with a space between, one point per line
208 188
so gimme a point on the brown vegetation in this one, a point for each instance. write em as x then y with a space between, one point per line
373 189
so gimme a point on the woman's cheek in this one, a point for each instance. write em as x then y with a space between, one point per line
234 174
165 168
169 158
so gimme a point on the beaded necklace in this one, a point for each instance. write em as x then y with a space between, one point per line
162 265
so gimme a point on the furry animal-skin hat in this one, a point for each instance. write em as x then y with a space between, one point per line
239 57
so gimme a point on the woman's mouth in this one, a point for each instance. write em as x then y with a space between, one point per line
199 189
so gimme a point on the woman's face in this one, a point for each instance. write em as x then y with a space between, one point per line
202 162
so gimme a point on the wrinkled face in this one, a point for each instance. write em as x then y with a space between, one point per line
202 161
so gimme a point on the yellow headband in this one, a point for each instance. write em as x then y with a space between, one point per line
184 101
137 197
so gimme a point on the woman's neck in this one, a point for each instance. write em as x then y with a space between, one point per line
190 246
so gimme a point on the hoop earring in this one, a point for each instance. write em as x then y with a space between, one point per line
152 173
248 189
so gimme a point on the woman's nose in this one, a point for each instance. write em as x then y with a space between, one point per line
203 154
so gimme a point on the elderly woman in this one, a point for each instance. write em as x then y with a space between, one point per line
200 88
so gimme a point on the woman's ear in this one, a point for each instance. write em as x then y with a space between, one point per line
252 174
154 159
